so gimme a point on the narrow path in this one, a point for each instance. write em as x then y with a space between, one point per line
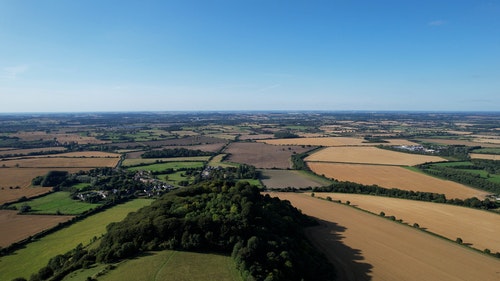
163 265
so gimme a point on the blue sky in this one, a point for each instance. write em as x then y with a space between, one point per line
66 56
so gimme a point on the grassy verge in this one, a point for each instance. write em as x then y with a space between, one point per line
35 255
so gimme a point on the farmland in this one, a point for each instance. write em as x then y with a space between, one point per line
13 266
262 155
172 265
57 203
394 177
477 228
369 155
364 148
290 178
18 227
368 247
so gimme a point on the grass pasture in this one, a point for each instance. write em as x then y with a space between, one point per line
394 177
174 265
477 227
368 247
489 150
57 202
217 161
35 255
370 155
17 227
291 178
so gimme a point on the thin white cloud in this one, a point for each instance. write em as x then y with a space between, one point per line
12 72
437 23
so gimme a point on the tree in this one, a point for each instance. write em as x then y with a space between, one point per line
459 240
25 208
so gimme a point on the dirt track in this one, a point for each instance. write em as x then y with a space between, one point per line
367 247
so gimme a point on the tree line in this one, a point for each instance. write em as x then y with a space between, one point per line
175 152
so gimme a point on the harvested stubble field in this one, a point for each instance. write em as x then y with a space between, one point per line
291 178
83 154
19 227
30 150
334 141
477 227
364 246
261 155
22 177
485 156
370 155
395 177
61 162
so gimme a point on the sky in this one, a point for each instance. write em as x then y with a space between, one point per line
226 55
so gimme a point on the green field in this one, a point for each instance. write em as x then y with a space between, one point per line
146 161
174 178
169 165
36 255
166 265
217 161
488 150
81 186
57 203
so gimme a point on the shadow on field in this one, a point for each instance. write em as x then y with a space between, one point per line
327 237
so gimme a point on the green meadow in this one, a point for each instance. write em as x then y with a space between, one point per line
57 203
36 255
166 265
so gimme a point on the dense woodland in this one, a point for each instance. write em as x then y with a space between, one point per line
262 234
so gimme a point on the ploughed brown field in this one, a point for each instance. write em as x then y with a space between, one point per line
364 246
18 227
21 177
370 155
261 155
333 141
394 177
478 228
290 178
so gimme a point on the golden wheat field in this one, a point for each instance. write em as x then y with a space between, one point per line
370 155
364 246
333 141
394 177
485 156
477 227
60 162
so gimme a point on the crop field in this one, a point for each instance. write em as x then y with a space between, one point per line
333 141
186 141
35 255
395 177
485 156
30 150
370 155
459 142
263 155
18 227
145 161
21 177
291 178
61 137
475 227
57 202
169 165
256 136
171 265
84 154
61 162
368 247
217 161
